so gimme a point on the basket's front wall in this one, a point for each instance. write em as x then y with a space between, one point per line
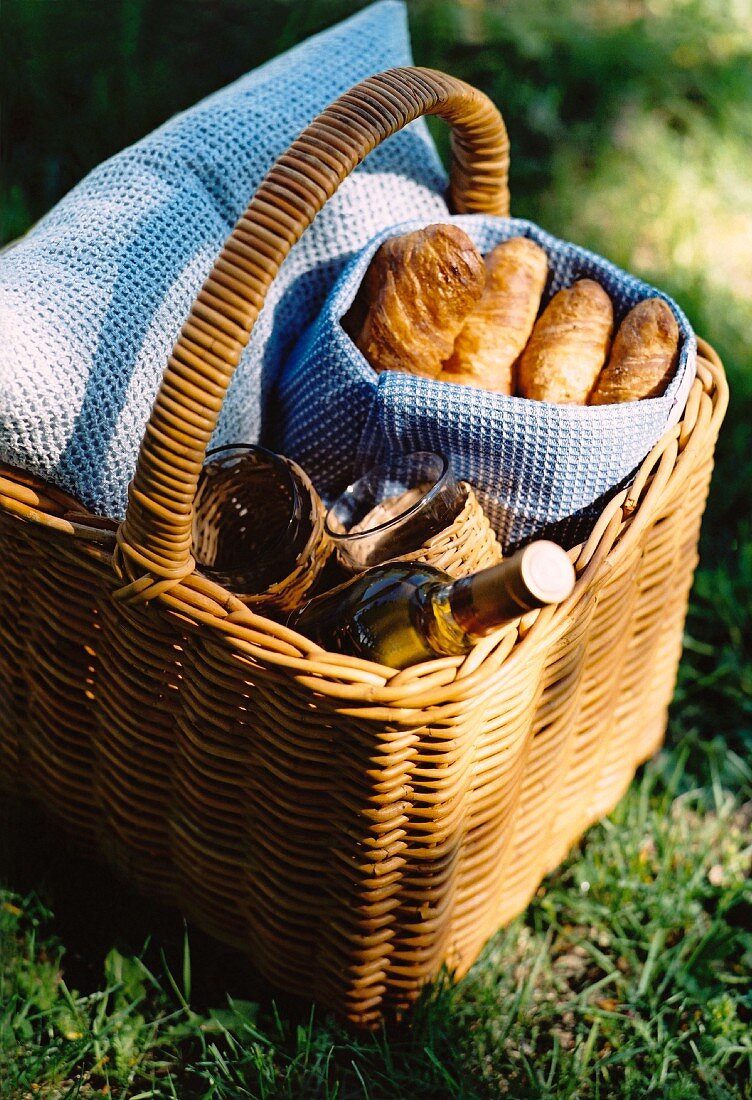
350 854
49 631
14 616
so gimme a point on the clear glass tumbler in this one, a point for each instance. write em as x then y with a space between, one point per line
393 509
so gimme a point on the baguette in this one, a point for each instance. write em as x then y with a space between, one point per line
568 346
643 357
489 345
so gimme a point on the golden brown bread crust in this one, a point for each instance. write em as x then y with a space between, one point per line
643 357
494 334
415 297
568 347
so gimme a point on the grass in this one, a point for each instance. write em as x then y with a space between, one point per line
629 974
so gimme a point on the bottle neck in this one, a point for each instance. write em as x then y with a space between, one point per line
539 574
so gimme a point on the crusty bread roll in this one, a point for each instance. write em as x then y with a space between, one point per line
568 347
415 297
643 357
487 348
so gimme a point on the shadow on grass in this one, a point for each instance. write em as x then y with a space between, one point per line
297 1049
95 909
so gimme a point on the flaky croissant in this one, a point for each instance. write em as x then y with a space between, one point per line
497 330
414 299
643 357
568 346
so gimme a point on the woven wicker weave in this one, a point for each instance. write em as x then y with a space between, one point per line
350 827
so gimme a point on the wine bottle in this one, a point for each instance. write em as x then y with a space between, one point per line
401 612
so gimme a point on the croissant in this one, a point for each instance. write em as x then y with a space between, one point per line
568 346
414 299
643 357
487 348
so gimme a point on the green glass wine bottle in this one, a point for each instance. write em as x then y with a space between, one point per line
400 612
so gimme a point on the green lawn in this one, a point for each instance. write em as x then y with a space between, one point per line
630 974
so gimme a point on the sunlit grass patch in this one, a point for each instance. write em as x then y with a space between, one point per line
673 204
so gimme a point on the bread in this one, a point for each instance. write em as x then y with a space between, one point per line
415 297
494 334
568 346
643 357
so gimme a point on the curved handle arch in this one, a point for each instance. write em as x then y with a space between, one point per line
154 541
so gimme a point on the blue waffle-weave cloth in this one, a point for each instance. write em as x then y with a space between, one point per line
539 468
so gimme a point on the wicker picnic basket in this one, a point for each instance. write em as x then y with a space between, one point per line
350 827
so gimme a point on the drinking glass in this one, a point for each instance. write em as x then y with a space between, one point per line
393 509
255 516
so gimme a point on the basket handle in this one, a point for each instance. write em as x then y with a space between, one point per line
154 541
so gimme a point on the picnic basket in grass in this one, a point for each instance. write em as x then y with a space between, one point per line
350 827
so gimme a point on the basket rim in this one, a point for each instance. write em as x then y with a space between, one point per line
375 691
